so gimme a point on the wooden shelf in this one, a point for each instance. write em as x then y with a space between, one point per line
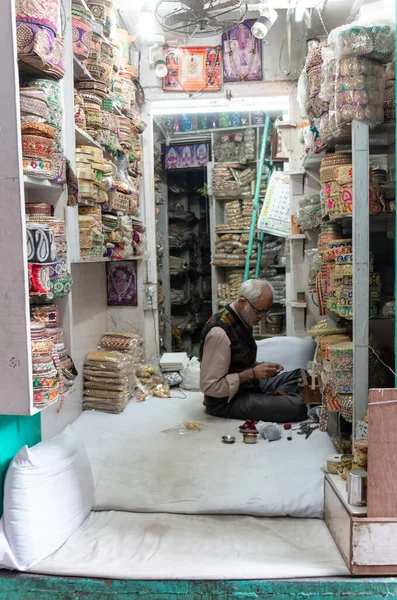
84 5
283 125
215 130
265 336
83 202
232 231
339 487
297 173
31 183
297 236
297 304
80 70
103 259
84 139
312 160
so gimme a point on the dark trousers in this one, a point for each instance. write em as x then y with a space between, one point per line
257 401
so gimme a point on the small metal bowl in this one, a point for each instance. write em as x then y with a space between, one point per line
250 438
228 439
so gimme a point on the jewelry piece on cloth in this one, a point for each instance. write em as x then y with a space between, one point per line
121 283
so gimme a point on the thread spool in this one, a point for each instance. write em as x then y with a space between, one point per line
345 466
360 455
333 462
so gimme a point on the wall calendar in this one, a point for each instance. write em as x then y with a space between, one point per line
275 215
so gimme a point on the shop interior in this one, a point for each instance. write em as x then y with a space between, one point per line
157 156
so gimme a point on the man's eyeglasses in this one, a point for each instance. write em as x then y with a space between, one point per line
260 313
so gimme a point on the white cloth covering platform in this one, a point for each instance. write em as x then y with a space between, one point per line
138 468
141 546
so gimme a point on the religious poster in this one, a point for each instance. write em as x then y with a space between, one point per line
242 54
188 156
193 69
121 283
275 215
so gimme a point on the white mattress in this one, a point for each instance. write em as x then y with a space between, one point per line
139 546
137 468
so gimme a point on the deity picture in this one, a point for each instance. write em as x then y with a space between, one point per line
212 57
189 156
193 69
202 155
242 54
121 283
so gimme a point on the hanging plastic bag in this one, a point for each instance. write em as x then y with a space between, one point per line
191 376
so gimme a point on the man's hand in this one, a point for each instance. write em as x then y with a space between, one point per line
266 370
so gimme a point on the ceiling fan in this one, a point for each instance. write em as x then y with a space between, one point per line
200 17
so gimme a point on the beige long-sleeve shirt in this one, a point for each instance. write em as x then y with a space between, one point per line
215 379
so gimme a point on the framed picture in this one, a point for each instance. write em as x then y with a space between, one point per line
279 149
188 156
193 69
121 283
242 54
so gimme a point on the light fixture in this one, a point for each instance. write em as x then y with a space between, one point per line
156 58
299 12
146 22
266 20
160 67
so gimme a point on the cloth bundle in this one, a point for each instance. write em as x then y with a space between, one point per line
390 93
52 94
358 75
90 167
52 368
127 342
228 292
229 182
150 384
46 376
38 135
336 175
238 214
90 232
358 91
81 31
337 272
39 41
109 381
47 253
126 239
79 112
364 40
232 244
236 147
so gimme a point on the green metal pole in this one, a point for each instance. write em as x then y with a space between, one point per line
256 199
259 258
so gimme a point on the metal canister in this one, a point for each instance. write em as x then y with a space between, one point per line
357 488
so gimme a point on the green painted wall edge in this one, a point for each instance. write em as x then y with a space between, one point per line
31 587
15 432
